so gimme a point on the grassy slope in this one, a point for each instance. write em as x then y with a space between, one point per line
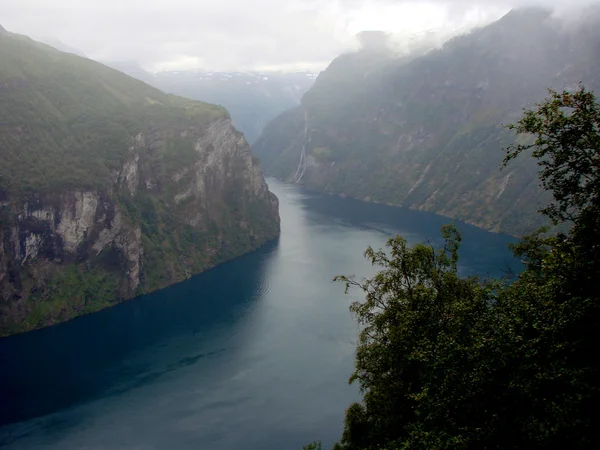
58 107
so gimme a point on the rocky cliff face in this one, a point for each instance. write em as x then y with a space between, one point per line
173 192
76 251
427 132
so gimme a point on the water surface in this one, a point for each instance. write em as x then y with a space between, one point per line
254 354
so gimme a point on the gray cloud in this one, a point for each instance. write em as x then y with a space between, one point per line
238 34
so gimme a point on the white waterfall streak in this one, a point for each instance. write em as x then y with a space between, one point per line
302 165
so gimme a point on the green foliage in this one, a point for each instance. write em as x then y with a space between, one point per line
450 362
567 146
70 124
74 290
68 121
423 327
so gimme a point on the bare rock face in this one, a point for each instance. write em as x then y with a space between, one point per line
68 253
110 188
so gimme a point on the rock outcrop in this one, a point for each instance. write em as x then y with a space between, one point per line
152 190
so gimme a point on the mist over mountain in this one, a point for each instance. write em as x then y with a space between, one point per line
133 69
59 45
252 98
426 131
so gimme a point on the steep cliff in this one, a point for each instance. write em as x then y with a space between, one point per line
426 131
110 188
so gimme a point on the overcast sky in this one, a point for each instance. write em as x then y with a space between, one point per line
239 34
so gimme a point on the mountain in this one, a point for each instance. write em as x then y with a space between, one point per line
133 69
59 45
425 131
110 188
252 98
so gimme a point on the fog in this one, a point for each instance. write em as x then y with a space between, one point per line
245 35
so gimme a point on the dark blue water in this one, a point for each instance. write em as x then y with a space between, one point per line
254 354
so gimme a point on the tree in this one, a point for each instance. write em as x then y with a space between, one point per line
451 362
566 127
559 292
424 328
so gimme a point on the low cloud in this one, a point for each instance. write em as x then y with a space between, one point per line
240 34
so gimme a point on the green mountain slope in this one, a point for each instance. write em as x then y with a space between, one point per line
110 188
61 107
426 132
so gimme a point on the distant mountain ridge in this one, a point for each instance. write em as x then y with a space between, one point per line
252 98
133 69
59 45
426 131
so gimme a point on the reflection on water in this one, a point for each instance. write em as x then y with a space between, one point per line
253 354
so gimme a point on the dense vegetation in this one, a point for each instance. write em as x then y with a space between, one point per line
424 131
445 361
62 107
171 201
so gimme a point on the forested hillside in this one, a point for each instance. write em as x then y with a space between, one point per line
427 131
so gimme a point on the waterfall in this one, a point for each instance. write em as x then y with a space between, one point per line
302 165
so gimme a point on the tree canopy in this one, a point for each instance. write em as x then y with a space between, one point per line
445 361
